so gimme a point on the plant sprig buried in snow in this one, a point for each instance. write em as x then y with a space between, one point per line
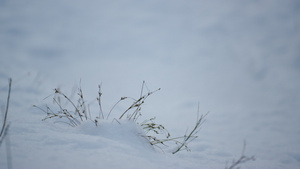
79 112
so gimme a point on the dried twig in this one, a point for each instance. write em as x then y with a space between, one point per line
3 129
241 160
192 134
99 102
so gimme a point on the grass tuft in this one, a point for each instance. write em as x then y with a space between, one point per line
79 112
156 134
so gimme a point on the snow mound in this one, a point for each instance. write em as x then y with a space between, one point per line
117 134
108 145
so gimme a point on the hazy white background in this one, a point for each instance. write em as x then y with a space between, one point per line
239 59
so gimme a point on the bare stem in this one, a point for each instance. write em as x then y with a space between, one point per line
192 133
242 159
99 102
6 111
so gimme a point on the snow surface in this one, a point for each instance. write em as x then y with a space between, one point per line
239 59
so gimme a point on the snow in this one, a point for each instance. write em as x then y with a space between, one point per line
237 59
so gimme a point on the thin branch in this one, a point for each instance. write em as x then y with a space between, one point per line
4 134
6 111
8 150
242 159
77 110
138 103
192 133
99 102
122 98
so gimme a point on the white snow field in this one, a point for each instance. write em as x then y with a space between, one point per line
240 60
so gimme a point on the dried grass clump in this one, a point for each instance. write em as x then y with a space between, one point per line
79 111
156 134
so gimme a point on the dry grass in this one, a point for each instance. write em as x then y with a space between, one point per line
79 112
156 134
5 127
243 159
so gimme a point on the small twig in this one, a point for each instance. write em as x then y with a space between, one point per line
99 102
122 98
242 159
192 133
115 120
137 104
77 110
4 134
6 111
